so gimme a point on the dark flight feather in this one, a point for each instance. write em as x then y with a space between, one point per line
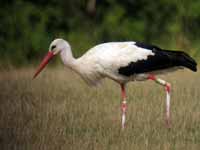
162 59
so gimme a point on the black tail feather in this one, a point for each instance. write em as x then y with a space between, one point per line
187 61
180 58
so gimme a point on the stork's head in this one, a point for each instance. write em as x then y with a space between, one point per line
55 47
58 45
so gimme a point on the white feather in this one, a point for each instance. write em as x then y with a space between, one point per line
105 59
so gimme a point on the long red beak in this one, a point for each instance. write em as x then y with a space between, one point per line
44 62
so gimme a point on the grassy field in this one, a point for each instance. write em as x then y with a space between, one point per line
58 111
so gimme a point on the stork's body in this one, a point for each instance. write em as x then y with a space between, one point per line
122 62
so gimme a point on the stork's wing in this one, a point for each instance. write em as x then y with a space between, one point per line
162 59
128 58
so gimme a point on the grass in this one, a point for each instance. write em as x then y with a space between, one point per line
59 111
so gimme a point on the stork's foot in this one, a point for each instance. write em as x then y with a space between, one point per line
168 123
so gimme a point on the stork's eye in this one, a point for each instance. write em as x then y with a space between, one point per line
53 46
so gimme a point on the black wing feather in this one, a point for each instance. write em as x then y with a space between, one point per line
162 59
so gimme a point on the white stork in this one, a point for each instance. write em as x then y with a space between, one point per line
122 62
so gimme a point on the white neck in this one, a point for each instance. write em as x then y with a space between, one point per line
68 59
77 66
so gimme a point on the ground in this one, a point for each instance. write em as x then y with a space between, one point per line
57 110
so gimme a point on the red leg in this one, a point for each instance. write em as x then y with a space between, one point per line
123 105
168 90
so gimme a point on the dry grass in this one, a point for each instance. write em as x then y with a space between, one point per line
59 111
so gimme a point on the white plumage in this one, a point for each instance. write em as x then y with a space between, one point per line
104 60
121 62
